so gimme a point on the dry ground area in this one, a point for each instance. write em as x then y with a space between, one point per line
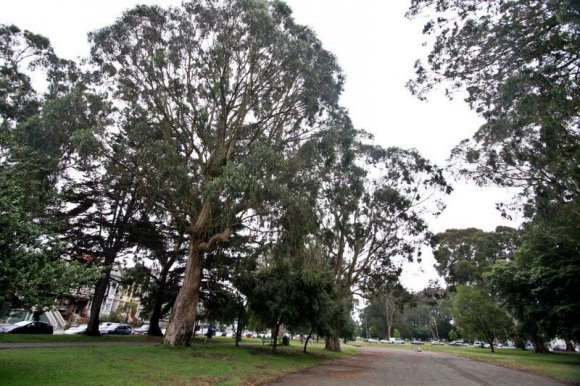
376 366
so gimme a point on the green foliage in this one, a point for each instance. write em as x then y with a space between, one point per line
371 206
385 309
518 62
300 300
464 255
478 316
538 285
453 335
217 101
35 151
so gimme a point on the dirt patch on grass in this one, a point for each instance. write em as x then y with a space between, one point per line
223 357
202 381
260 351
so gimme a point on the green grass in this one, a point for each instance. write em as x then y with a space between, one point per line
563 366
13 338
214 363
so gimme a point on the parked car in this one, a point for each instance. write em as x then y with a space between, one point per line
458 343
416 341
397 341
372 340
80 329
385 341
530 346
122 329
117 329
436 343
28 327
144 329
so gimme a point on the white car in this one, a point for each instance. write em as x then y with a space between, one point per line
144 329
80 329
117 329
104 328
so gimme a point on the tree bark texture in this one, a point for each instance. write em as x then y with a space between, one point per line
540 345
307 339
239 328
333 343
97 302
276 331
154 328
184 311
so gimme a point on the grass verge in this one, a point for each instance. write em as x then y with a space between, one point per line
23 338
210 364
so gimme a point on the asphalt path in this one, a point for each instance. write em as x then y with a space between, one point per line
376 366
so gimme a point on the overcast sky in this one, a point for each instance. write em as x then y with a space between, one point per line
375 45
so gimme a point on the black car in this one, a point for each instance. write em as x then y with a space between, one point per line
27 327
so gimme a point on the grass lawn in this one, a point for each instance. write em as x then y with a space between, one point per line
13 338
203 364
563 366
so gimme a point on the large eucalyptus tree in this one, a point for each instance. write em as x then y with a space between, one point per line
373 204
211 97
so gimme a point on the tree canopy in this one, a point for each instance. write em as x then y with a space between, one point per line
518 63
36 149
210 91
464 255
478 316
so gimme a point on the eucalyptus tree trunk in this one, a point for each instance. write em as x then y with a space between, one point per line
184 311
276 331
332 343
390 312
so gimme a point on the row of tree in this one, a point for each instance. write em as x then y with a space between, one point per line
518 63
206 143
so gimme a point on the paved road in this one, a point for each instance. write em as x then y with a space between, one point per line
375 366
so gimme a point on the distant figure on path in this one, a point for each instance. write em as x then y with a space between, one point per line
208 334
